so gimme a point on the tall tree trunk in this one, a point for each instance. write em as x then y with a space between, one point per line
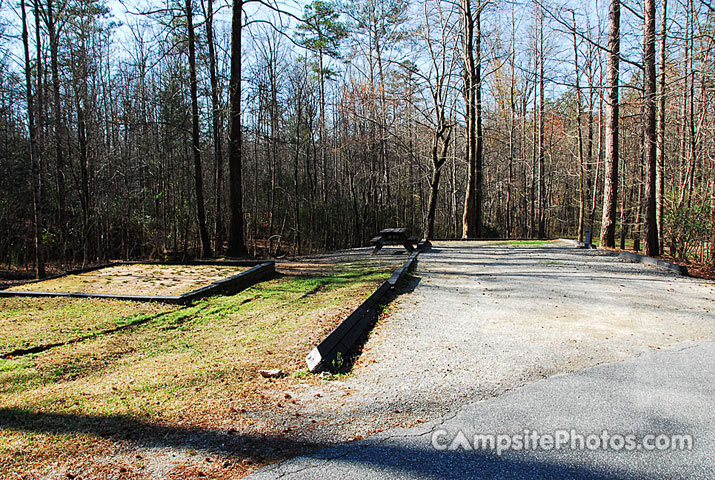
439 157
273 148
691 115
53 33
684 112
579 137
534 149
216 130
660 166
296 160
610 189
39 75
512 125
79 58
624 197
712 220
590 186
600 152
479 152
472 216
384 163
84 175
541 194
321 127
236 243
195 141
649 111
35 161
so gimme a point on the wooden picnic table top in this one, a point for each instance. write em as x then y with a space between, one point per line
393 231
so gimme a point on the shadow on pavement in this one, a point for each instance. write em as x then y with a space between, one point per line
379 461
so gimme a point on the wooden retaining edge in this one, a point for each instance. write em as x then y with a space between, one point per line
343 338
655 262
233 284
225 263
424 246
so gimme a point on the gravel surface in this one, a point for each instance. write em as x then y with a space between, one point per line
480 319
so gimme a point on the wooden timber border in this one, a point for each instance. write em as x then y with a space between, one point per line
654 262
341 340
232 284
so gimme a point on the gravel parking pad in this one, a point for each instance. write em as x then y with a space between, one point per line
484 318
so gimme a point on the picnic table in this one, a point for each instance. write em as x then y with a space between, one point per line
393 236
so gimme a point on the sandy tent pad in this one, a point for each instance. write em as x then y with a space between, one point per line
137 279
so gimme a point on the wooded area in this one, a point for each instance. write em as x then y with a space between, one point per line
201 128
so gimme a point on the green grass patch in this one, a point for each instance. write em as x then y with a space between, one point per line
522 242
32 322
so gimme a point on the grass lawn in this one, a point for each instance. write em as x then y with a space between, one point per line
137 279
175 394
521 242
33 322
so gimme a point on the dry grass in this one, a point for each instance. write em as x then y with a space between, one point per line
136 279
178 396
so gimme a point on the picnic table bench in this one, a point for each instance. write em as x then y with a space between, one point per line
393 236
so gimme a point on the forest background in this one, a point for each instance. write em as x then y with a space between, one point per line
126 131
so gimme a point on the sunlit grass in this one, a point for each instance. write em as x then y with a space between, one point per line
195 365
31 322
522 242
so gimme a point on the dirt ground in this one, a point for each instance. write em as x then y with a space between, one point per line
136 279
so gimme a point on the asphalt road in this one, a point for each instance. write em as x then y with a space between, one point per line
665 393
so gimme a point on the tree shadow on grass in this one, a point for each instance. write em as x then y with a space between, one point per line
143 433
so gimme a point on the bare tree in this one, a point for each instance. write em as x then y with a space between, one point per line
660 166
327 166
195 139
236 242
439 107
579 137
35 160
472 58
216 128
610 191
541 188
649 123
54 29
